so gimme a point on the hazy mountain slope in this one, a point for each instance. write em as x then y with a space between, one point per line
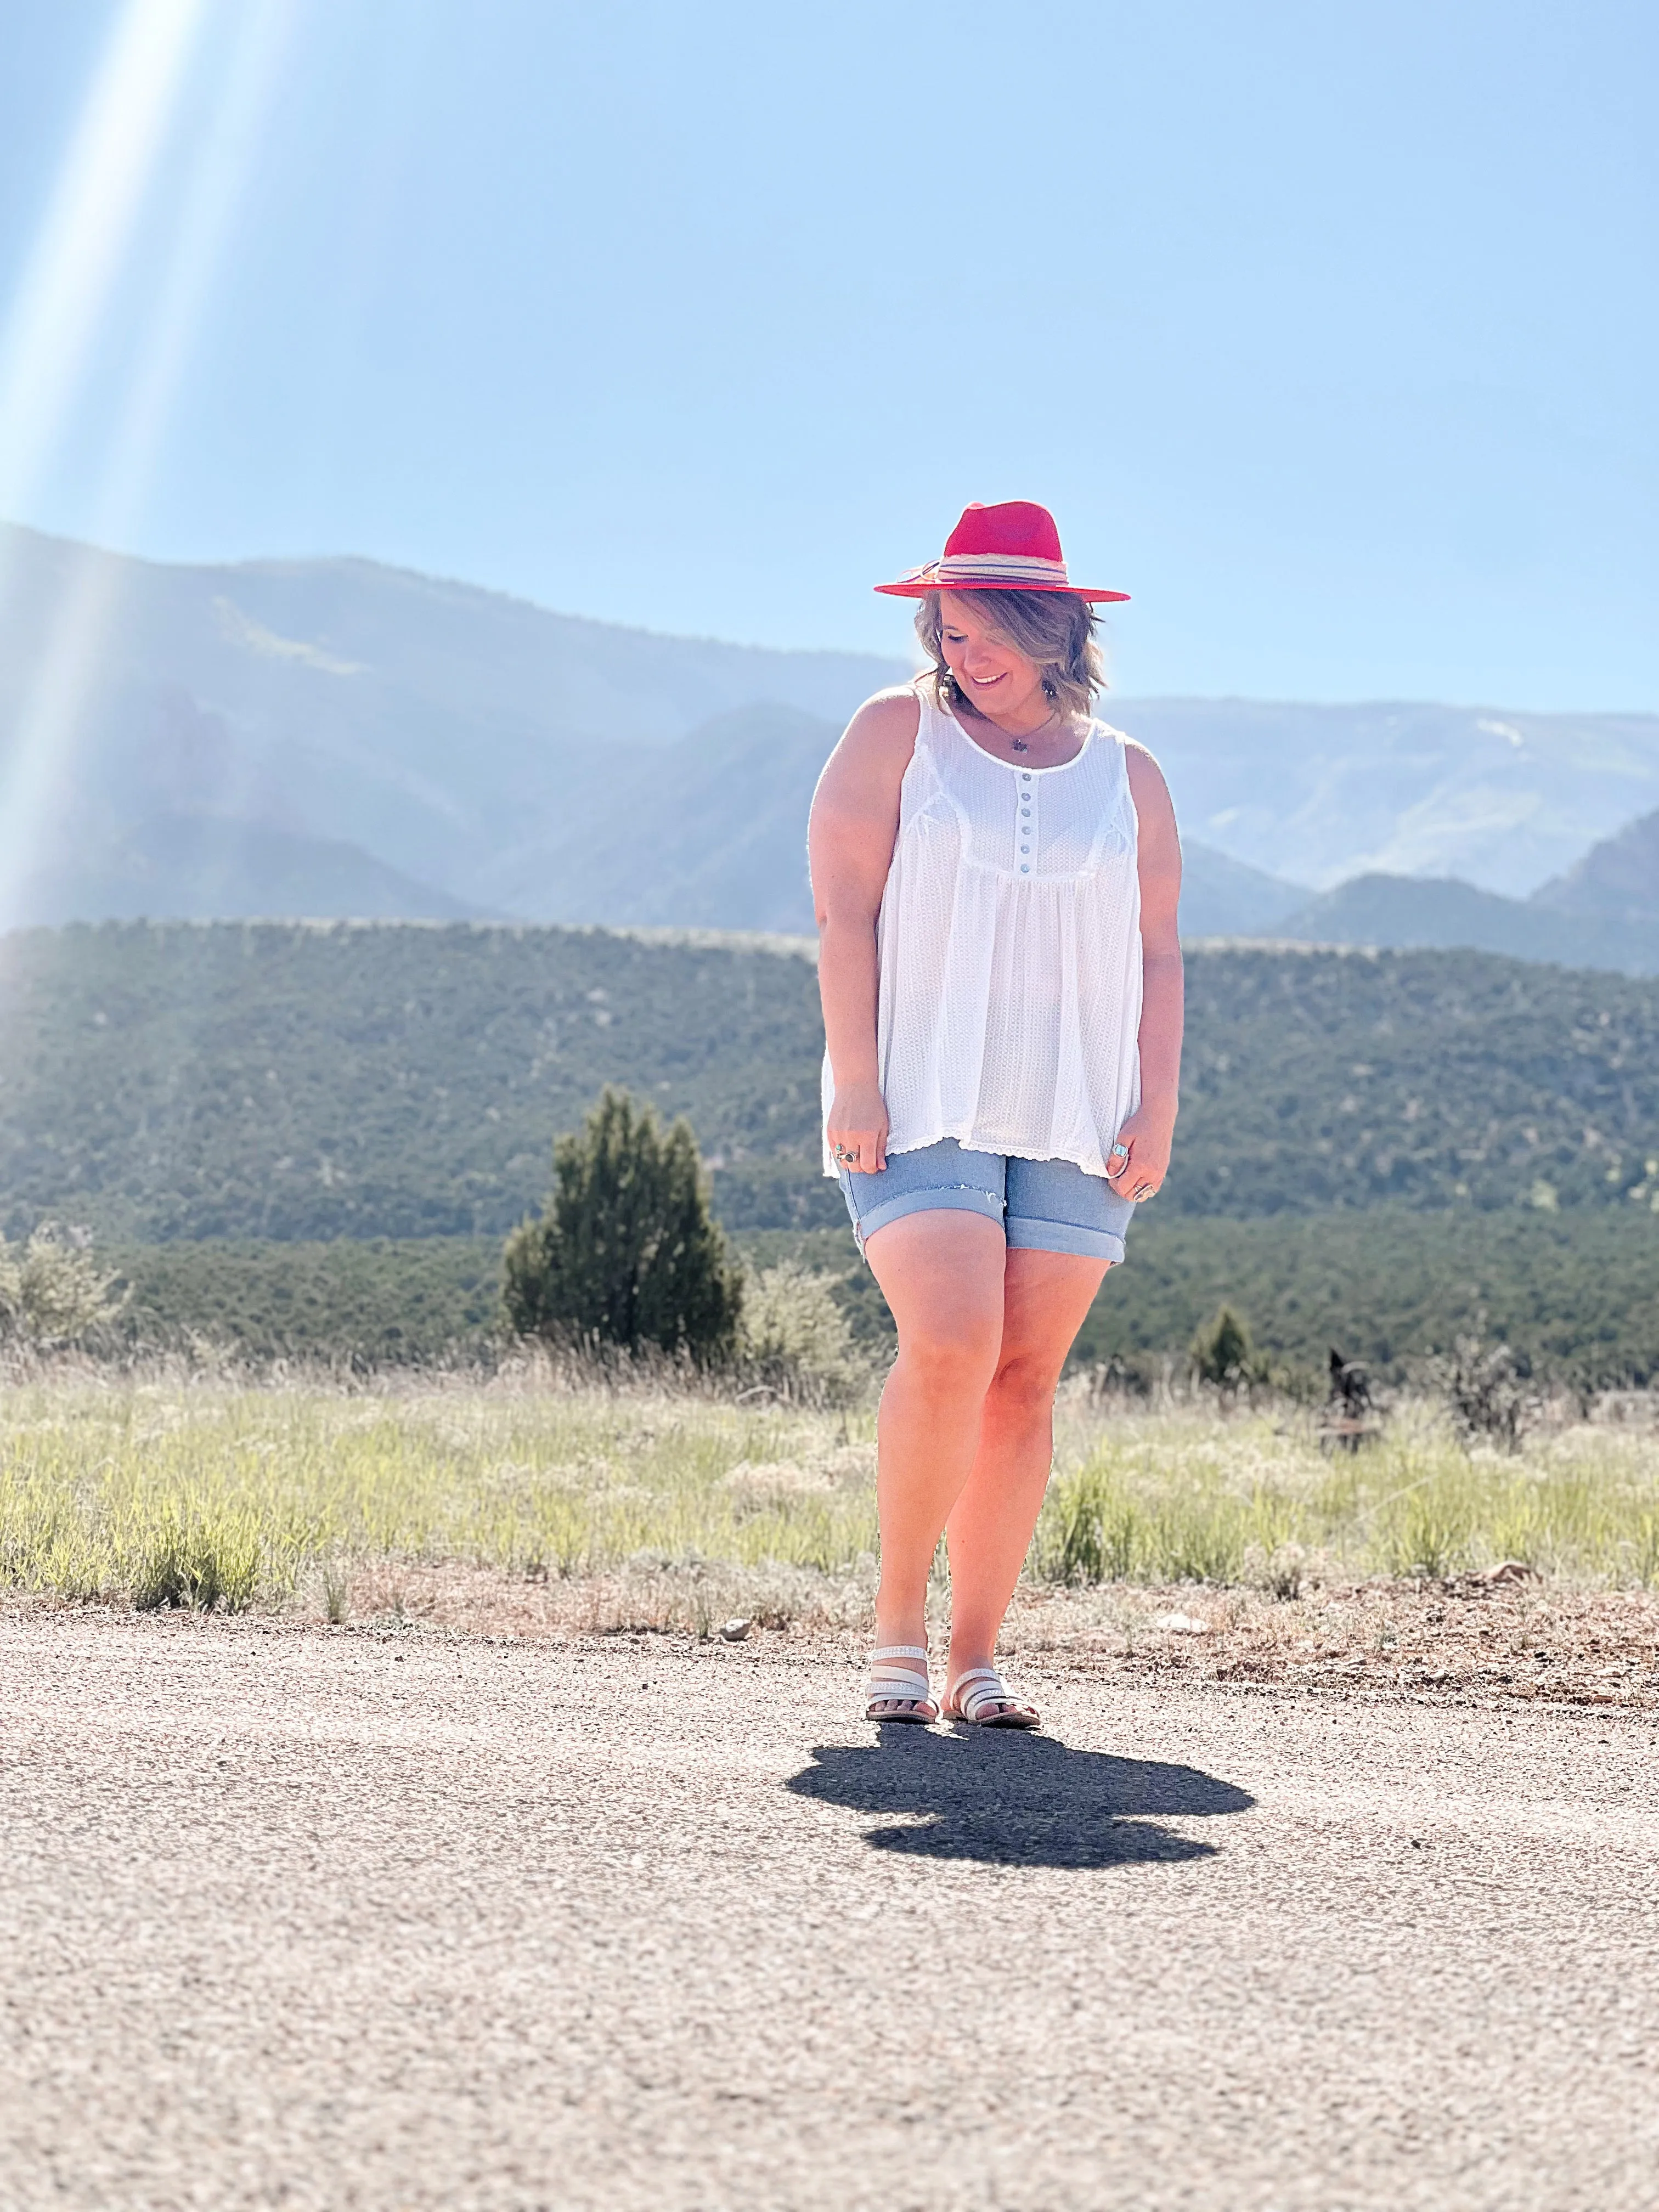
1415 910
1318 794
486 749
436 725
271 1080
1223 897
712 833
1618 880
192 868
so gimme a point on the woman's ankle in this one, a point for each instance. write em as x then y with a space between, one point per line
964 1656
901 1624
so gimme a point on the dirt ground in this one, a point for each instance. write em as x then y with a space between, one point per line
1503 1637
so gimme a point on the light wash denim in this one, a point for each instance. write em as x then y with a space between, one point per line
1042 1206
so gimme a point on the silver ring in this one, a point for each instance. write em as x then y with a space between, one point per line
1118 1152
845 1152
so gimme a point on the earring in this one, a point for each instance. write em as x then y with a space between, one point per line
1048 689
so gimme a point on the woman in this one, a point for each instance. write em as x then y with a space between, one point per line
995 876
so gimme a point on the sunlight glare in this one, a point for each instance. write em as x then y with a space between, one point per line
101 190
39 777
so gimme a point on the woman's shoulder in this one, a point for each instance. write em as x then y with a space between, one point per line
894 712
1138 759
885 726
864 775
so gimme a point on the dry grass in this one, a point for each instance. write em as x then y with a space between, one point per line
563 1502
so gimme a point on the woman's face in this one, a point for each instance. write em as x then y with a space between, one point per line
994 676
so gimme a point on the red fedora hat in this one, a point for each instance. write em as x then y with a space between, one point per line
1013 547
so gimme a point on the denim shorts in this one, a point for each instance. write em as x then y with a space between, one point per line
1042 1206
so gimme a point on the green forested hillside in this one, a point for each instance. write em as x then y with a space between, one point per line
1575 1294
290 1081
283 1080
1329 1079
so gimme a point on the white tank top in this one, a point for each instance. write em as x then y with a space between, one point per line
1009 950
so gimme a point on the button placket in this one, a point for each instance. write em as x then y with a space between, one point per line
1026 822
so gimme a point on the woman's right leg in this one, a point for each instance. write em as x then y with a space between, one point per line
941 1272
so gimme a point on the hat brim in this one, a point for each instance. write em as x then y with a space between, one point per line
908 587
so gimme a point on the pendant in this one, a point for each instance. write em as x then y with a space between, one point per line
1019 744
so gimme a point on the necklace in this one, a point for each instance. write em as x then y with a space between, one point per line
1024 744
1015 745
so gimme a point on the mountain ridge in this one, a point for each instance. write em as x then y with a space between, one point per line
499 759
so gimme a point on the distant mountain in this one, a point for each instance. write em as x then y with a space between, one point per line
707 832
1406 911
712 832
1321 793
455 734
389 742
1618 880
1222 897
1603 913
203 867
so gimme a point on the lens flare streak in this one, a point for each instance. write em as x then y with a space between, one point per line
130 115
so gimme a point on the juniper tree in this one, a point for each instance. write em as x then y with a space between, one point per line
626 1249
1222 1352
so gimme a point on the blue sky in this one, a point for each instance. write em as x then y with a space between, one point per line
1328 331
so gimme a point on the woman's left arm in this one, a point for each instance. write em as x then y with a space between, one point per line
1149 1132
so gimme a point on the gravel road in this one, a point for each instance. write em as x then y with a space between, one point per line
304 1918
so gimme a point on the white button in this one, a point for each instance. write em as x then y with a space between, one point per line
1027 778
1024 848
1025 867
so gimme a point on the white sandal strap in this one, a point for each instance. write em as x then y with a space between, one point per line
899 1685
992 1691
898 1682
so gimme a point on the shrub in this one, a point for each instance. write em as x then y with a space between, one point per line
1487 1396
1223 1353
793 1332
627 1251
51 1291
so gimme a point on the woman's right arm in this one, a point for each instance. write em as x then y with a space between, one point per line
854 822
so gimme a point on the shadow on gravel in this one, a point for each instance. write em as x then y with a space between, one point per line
1011 1800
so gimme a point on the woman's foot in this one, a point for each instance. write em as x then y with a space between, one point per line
898 1684
980 1697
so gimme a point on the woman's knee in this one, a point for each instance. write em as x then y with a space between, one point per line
952 1350
1025 1381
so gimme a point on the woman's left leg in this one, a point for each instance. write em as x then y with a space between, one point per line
1046 1296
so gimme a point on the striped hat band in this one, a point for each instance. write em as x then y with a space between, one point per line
1013 547
1009 568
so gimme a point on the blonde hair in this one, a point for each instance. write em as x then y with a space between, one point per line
1056 629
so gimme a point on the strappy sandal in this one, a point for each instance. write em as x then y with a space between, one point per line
900 1686
983 1699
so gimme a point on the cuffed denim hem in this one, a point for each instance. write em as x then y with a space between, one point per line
1026 1236
955 1198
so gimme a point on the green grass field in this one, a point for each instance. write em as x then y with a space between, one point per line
171 1493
